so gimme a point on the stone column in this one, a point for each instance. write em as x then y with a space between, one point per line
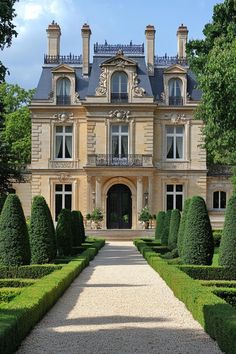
98 193
139 197
150 193
89 194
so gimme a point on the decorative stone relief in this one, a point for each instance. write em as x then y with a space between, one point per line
138 91
76 99
178 118
163 97
101 90
63 177
63 117
119 115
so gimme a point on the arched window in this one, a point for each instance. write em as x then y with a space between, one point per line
175 92
219 200
63 91
119 83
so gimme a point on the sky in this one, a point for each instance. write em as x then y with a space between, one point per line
116 21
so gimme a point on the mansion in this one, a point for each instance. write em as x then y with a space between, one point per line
118 132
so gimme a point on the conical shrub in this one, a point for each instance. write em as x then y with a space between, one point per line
160 222
76 228
166 229
42 232
174 228
14 237
82 230
227 251
180 238
64 236
198 245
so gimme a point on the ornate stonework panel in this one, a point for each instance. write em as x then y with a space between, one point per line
119 115
63 116
178 118
138 91
63 164
101 90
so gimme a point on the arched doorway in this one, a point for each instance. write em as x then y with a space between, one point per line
119 207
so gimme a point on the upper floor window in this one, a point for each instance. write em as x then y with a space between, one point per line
63 141
175 92
63 198
174 196
219 200
174 142
63 91
119 85
119 140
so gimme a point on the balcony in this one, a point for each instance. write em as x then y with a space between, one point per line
175 101
131 160
63 100
119 97
57 164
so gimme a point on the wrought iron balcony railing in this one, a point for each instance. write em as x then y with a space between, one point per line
175 101
135 49
117 97
63 59
130 160
166 61
63 100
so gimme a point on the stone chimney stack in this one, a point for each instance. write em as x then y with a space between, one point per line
54 34
182 38
86 33
150 48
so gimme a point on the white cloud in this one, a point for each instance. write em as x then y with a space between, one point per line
33 11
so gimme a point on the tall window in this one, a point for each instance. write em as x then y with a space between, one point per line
119 141
175 92
119 83
174 196
63 91
219 200
174 142
63 141
63 198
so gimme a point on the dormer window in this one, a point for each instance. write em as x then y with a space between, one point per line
119 86
63 91
175 92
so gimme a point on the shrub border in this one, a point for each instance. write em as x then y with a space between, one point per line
19 316
216 316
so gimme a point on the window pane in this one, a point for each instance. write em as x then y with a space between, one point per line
170 147
216 200
223 200
170 130
58 205
179 130
179 201
59 129
58 187
59 148
179 188
68 201
179 147
68 128
68 187
124 146
169 202
124 128
170 187
68 147
115 150
115 128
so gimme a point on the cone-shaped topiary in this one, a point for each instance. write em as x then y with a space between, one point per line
64 233
76 228
82 230
42 232
165 233
174 228
198 245
14 237
160 222
227 251
180 239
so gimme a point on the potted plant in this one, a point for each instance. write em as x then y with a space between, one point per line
144 216
88 220
97 217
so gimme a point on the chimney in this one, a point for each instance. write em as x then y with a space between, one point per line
182 38
86 33
150 48
54 33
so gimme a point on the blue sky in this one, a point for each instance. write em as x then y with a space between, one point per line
115 21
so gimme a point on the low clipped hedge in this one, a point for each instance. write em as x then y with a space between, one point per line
219 283
209 273
6 294
229 295
29 271
19 316
16 283
217 317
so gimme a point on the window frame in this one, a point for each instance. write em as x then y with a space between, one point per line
63 99
174 193
121 95
219 199
64 134
63 193
119 134
175 136
177 99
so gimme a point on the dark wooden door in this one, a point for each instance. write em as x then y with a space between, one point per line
119 207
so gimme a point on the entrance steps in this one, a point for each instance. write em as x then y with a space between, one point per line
121 234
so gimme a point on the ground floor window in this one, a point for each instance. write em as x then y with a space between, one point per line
63 198
219 200
174 196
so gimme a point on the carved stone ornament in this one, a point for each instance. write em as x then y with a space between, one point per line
63 177
119 115
138 91
63 117
163 97
101 90
178 118
76 99
51 96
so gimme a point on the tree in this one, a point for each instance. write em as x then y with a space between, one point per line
166 229
227 251
14 238
7 29
42 233
76 228
160 225
213 60
198 245
64 233
183 220
174 228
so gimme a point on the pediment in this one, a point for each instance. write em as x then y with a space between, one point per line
175 69
119 60
63 68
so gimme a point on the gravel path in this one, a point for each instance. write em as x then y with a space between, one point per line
119 304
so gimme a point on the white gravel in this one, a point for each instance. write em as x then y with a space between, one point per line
119 304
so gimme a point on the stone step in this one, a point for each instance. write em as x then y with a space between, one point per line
121 234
